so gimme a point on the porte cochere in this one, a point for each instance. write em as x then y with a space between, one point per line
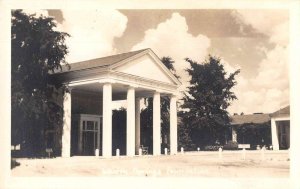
93 85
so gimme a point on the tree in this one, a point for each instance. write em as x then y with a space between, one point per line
206 101
36 49
147 113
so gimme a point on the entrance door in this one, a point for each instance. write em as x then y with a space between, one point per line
86 137
284 134
90 137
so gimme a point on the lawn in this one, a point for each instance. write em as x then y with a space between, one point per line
193 164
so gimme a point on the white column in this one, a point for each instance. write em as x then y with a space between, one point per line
130 134
66 133
137 125
234 134
173 125
275 142
156 124
107 120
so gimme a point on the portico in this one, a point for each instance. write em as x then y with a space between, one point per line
130 76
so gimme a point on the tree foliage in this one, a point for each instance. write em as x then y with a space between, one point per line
206 101
36 49
254 134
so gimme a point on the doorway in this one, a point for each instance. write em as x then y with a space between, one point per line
88 135
283 129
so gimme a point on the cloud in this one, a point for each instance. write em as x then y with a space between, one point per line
36 13
273 23
268 90
171 38
92 32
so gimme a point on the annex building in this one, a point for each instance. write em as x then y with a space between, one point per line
263 129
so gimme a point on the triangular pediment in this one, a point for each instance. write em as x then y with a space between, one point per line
147 66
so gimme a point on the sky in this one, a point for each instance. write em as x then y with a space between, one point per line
254 41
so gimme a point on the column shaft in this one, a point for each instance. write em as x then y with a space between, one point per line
130 134
156 124
173 125
107 121
66 134
234 134
137 125
275 142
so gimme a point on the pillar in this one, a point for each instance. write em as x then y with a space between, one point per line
234 134
275 142
107 120
137 125
66 133
130 126
173 125
156 124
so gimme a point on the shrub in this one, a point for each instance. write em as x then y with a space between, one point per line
231 145
212 147
14 164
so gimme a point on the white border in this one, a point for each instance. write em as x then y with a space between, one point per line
192 182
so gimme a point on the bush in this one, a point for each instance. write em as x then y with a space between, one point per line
231 146
14 164
212 147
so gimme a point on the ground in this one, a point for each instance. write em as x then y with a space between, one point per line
195 164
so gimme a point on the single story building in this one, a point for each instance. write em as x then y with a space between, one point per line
263 129
93 85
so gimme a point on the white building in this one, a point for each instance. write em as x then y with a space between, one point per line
279 122
93 85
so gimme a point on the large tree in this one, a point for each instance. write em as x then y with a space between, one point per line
206 101
36 50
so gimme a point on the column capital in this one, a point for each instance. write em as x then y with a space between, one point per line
68 88
132 86
157 92
174 95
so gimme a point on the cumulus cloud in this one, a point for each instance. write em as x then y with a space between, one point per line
92 32
268 90
171 38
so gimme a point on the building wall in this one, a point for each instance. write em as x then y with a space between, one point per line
86 103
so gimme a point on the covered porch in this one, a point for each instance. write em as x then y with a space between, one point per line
91 88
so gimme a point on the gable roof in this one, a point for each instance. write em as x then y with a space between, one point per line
115 61
99 62
282 112
251 118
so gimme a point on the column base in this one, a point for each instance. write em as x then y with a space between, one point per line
276 148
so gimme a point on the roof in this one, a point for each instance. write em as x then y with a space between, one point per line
282 112
99 62
251 118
